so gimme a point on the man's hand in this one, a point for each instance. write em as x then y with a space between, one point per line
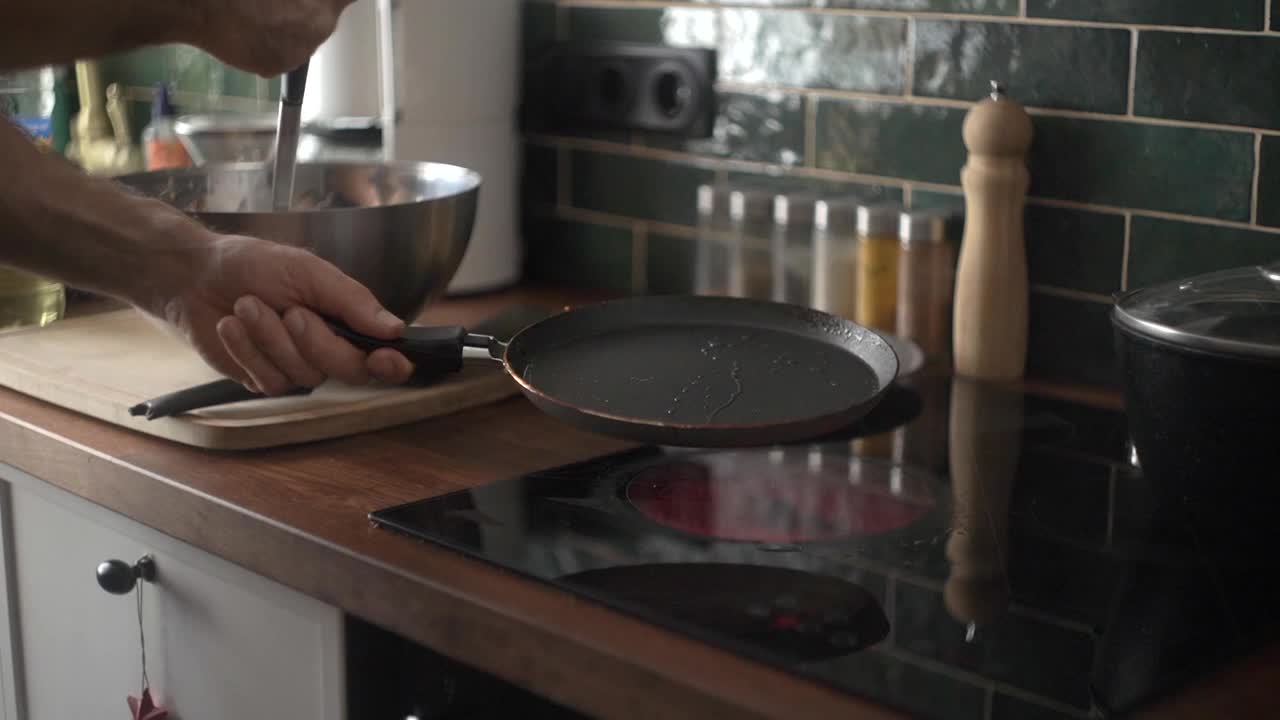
267 37
250 310
248 306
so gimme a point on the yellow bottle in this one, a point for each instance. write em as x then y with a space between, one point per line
27 299
877 283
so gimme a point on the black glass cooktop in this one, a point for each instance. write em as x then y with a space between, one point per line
964 552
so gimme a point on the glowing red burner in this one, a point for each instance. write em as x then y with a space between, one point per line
752 497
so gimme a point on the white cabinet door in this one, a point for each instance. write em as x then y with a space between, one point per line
221 642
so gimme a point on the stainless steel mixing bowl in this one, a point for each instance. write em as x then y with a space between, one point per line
401 229
227 137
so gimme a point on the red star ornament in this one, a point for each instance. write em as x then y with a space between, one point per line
146 708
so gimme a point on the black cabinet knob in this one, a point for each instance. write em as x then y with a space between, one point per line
118 577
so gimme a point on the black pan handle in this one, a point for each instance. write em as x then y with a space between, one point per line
218 392
432 350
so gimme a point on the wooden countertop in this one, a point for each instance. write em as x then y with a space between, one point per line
298 516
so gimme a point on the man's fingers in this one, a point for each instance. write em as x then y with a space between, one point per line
322 349
268 333
240 346
213 352
324 288
389 366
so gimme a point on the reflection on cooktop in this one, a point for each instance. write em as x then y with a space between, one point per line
982 554
799 616
900 405
778 497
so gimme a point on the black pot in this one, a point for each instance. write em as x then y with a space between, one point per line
1200 364
1200 416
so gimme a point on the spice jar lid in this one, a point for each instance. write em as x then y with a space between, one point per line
751 204
711 198
878 220
1232 312
916 227
794 209
836 215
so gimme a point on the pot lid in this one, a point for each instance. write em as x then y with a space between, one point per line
1235 312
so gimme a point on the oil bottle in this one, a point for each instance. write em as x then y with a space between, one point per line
28 99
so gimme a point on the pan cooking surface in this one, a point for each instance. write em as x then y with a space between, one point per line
702 374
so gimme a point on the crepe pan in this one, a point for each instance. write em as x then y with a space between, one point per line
690 371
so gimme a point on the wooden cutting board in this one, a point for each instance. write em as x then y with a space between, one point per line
103 364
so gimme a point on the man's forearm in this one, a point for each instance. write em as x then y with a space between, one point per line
89 232
40 32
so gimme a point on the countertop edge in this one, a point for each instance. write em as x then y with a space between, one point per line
432 611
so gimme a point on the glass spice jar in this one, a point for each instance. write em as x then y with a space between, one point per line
877 277
926 281
712 248
793 247
835 256
750 231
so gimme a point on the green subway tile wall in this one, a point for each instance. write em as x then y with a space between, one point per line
582 252
1163 250
913 142
1028 57
670 264
539 161
1269 181
796 50
1223 79
1232 14
1075 249
766 128
792 183
1192 171
1156 154
680 27
635 187
200 79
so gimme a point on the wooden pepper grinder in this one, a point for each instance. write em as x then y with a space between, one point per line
990 315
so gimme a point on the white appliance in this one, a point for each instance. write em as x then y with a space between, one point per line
443 78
